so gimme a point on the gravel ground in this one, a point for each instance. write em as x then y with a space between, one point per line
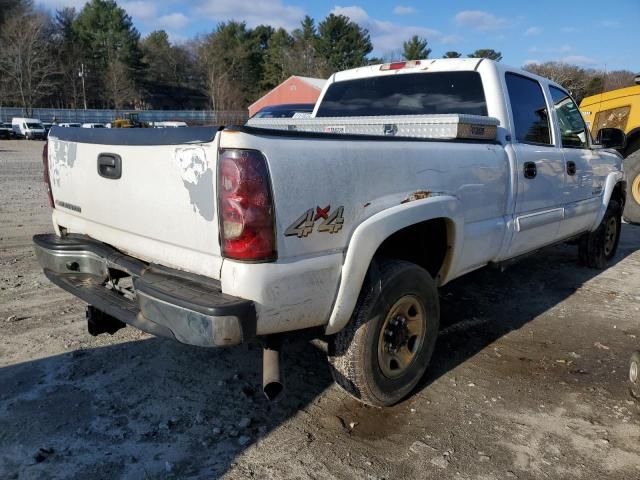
529 380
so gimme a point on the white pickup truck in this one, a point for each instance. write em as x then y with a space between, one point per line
406 176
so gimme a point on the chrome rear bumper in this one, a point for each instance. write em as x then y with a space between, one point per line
165 302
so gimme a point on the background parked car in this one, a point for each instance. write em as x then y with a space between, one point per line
286 110
92 125
73 125
6 131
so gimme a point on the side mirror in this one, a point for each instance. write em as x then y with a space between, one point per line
611 138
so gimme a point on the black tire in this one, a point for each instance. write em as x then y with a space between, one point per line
354 351
634 369
597 248
632 204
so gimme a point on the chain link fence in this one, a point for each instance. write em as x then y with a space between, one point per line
64 115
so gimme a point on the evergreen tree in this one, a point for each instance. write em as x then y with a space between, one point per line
303 56
277 61
452 54
107 37
343 43
415 48
486 53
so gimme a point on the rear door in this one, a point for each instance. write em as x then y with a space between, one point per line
539 166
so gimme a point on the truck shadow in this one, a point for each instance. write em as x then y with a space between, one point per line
144 409
483 306
152 408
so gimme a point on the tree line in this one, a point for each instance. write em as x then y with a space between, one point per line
96 58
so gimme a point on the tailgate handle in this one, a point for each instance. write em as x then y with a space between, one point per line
110 166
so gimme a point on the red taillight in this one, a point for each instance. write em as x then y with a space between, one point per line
247 230
45 166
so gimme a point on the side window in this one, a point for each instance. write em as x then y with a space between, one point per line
530 115
573 131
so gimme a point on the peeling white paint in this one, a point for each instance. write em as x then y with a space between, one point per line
197 178
62 157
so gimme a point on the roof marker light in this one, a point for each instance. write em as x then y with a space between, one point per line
400 65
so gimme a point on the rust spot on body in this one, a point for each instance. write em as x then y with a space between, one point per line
419 195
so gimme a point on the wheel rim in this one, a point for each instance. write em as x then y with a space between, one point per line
635 189
633 372
610 235
401 336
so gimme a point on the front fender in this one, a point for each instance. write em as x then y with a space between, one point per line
370 234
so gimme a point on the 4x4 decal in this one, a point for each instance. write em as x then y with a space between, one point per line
331 222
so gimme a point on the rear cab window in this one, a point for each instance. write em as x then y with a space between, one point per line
406 94
529 108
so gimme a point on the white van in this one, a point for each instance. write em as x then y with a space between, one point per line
169 124
29 128
92 125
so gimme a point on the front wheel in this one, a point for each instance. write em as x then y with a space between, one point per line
382 354
597 248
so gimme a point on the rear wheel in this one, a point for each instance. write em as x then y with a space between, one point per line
597 248
381 355
632 169
634 375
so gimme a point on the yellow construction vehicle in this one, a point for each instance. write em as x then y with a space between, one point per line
620 109
129 120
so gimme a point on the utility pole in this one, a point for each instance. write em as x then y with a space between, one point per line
82 74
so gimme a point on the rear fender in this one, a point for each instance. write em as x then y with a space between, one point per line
370 234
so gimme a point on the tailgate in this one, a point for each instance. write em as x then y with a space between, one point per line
147 192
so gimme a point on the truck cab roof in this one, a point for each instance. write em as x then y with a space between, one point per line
433 65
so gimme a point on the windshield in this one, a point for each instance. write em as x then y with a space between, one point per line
406 94
35 126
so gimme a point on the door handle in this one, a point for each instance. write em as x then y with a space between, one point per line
571 168
110 166
530 170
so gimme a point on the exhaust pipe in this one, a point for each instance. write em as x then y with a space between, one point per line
272 385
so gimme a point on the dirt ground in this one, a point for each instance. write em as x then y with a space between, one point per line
529 380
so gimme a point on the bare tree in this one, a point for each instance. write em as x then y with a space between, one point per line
618 79
26 62
571 77
218 61
303 59
217 77
119 87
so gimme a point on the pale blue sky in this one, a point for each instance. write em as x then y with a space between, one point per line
592 33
